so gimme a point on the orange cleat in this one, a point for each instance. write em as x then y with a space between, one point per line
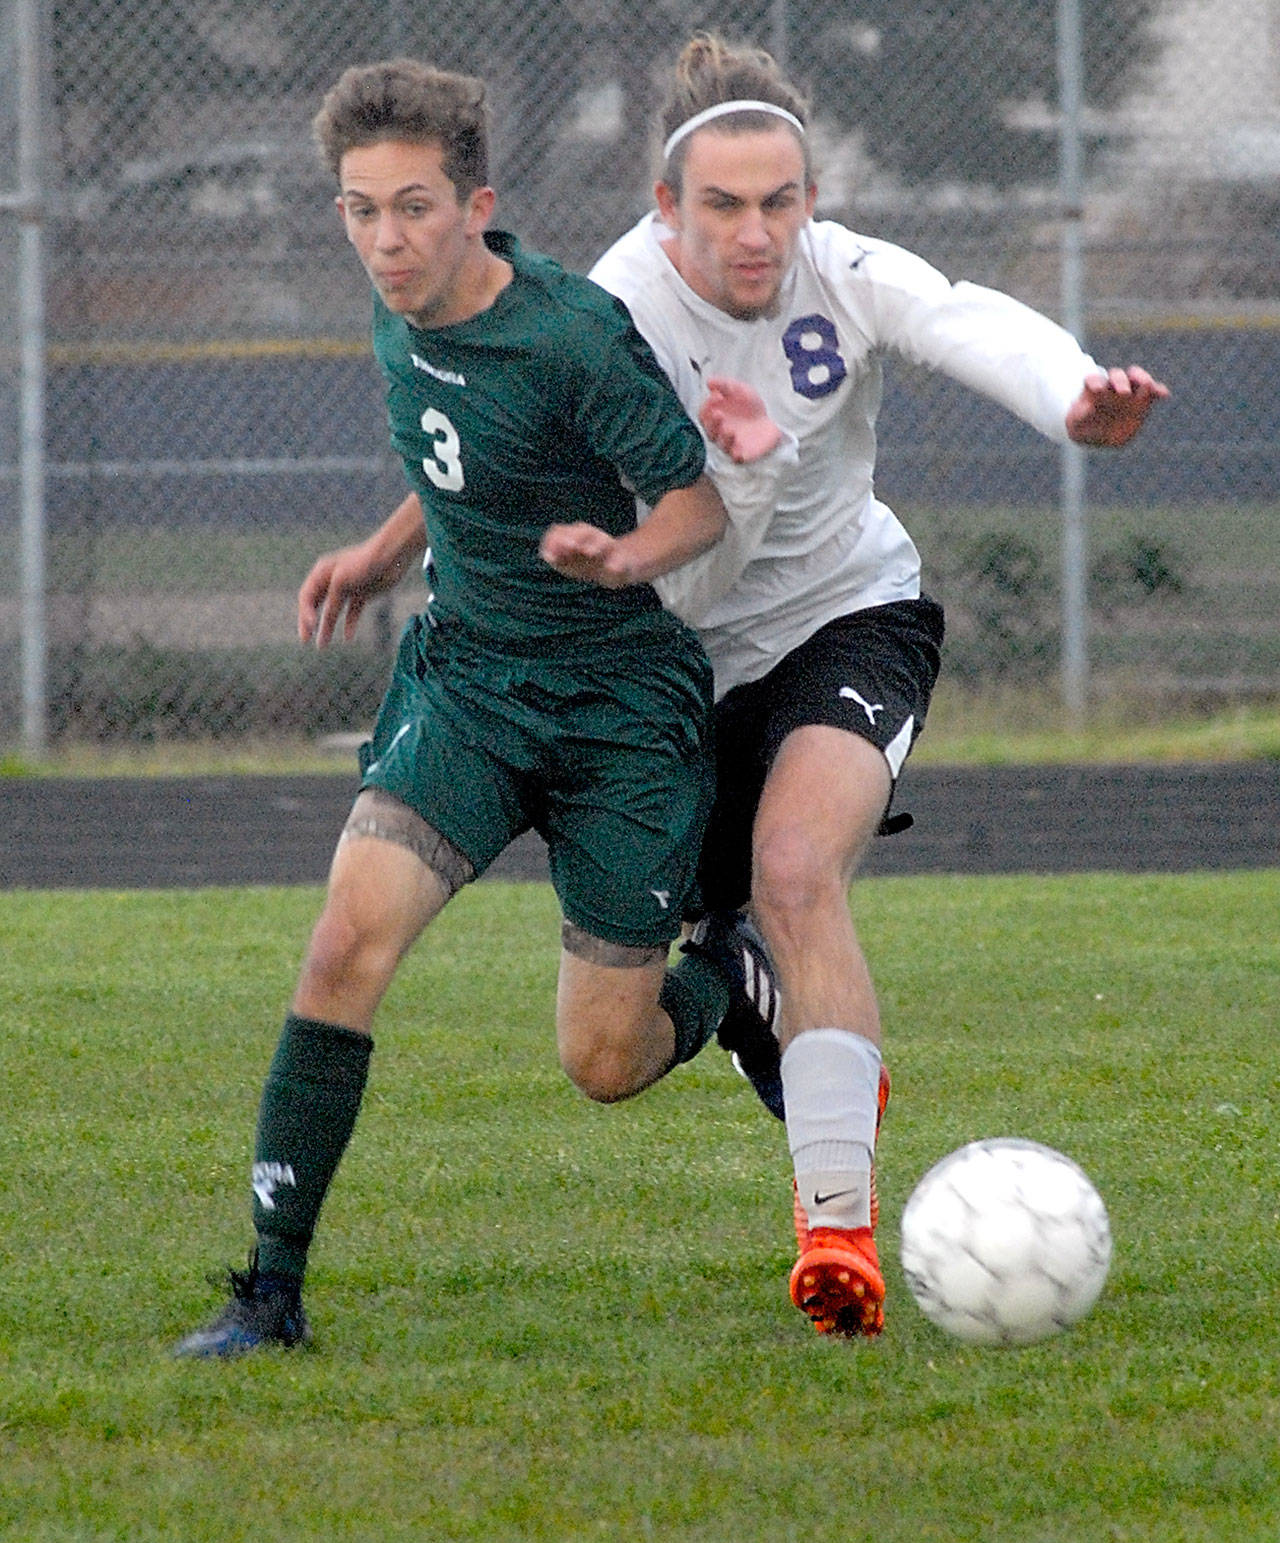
838 1284
803 1235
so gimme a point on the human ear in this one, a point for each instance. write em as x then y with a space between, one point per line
480 211
668 205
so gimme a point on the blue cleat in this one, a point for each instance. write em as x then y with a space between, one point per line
729 940
264 1310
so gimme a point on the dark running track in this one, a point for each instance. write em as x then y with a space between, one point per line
134 833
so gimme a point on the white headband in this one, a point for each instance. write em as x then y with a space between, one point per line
718 111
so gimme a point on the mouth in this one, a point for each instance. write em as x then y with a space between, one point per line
755 273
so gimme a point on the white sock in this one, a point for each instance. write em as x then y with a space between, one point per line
830 1080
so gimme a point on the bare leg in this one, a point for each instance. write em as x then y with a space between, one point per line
822 803
381 895
613 1037
821 806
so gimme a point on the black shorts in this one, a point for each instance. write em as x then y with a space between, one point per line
871 673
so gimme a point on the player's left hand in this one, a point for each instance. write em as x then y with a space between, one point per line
736 419
1113 406
583 551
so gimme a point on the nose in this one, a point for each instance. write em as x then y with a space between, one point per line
753 234
388 235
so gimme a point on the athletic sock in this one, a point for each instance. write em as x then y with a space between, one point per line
695 997
309 1105
830 1080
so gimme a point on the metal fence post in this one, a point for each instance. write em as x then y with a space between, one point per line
1075 651
27 203
778 27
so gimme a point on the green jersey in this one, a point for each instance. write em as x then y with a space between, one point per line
546 408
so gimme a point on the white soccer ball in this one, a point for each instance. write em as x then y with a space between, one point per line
1005 1242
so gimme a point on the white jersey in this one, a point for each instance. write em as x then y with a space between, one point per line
809 540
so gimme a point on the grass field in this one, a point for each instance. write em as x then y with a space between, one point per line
989 728
1206 539
541 1319
163 634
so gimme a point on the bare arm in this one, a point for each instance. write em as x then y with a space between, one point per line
1113 406
354 574
684 522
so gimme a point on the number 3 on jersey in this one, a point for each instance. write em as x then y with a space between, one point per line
813 352
444 464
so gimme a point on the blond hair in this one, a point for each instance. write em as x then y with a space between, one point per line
710 71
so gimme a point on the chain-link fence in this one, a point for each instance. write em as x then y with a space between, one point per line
213 417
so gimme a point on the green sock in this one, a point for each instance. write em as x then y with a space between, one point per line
309 1105
695 997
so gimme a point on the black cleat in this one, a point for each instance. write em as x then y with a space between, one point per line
748 1032
264 1310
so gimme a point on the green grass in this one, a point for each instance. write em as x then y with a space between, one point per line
146 559
190 758
541 1319
1184 654
983 728
1020 728
1205 539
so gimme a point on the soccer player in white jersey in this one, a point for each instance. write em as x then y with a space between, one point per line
825 650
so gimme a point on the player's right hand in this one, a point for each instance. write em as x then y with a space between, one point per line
736 419
327 589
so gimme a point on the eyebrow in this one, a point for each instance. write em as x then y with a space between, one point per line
714 191
413 187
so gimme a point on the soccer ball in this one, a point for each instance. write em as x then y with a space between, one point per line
1005 1242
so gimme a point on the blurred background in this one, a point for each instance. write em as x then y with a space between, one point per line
189 411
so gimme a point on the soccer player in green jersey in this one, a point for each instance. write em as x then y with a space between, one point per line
520 397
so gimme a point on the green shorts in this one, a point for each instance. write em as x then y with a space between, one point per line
607 758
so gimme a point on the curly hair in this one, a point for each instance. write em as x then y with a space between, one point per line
405 99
